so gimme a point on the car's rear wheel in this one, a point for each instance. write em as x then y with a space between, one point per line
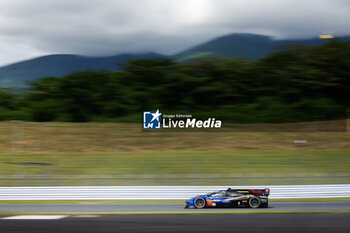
199 202
254 202
265 205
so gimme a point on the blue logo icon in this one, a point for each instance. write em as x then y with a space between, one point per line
151 120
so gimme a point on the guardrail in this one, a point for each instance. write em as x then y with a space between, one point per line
161 192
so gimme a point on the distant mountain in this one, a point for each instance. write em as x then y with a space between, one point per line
18 74
249 46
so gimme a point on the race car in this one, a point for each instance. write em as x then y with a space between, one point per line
253 198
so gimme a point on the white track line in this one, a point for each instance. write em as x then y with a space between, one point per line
34 217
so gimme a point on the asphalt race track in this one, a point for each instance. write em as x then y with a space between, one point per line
272 223
164 207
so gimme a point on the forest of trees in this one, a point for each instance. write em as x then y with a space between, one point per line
298 83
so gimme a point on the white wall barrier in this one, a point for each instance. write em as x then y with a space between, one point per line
161 192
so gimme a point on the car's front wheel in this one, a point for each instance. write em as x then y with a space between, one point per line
254 202
199 202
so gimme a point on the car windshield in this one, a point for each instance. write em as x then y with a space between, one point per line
224 193
214 194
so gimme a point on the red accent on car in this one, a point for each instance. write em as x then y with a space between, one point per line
257 191
209 202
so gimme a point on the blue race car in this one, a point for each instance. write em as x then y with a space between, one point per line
253 198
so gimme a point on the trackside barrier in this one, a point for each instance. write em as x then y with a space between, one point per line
161 192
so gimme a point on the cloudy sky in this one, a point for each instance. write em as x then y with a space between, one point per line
30 28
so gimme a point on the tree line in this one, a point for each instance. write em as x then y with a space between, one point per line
297 83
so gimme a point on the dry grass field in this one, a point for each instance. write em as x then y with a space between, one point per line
123 154
29 137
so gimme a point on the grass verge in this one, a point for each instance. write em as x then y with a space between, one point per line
238 167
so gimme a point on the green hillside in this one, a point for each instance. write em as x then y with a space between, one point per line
18 74
307 83
248 46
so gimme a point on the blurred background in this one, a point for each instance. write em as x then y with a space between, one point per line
74 85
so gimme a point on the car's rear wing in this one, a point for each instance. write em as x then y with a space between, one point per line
256 192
